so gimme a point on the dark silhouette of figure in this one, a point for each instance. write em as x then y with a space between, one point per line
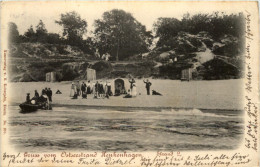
36 94
147 86
83 90
156 93
58 92
49 94
28 99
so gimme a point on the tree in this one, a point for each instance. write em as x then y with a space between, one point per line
121 35
166 29
216 24
41 32
73 27
53 38
196 23
30 35
13 33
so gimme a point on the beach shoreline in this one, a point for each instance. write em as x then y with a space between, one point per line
204 95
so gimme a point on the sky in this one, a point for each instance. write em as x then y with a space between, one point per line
25 14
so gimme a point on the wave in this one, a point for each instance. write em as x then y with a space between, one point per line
194 112
148 112
186 112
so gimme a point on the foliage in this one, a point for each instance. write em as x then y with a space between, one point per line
101 66
166 28
30 35
73 27
216 24
69 73
53 38
41 32
121 35
170 71
13 33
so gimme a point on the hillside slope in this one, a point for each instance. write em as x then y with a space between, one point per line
200 52
209 58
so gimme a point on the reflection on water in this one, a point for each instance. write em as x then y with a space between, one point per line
139 130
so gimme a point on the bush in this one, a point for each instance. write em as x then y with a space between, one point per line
59 76
102 66
170 71
69 73
147 64
119 74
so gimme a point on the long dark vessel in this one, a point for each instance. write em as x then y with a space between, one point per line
26 107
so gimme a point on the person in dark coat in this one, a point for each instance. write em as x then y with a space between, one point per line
43 91
147 86
101 89
83 90
28 99
83 87
88 88
49 94
36 94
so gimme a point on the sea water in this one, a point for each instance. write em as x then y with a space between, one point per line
74 128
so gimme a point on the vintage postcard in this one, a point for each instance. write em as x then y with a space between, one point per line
127 83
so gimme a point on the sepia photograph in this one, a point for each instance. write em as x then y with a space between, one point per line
125 77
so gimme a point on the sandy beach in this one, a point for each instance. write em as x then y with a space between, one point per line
220 94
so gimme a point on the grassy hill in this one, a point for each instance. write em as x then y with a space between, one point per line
209 59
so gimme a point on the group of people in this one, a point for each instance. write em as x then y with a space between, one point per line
46 98
47 92
98 89
132 92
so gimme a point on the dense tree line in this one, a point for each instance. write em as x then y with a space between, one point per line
119 34
216 24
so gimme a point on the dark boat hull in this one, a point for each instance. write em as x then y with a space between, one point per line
25 107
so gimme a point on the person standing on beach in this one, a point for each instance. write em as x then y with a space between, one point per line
109 88
96 90
78 88
43 91
93 91
88 88
131 81
147 86
134 91
101 89
83 87
72 89
49 94
83 90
